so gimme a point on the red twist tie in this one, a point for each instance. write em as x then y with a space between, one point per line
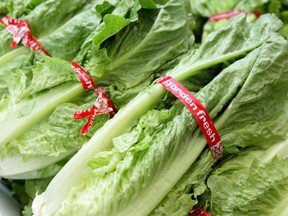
21 31
198 212
102 104
199 112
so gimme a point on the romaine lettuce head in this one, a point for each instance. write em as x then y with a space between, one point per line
244 126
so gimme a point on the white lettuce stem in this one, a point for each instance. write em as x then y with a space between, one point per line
16 168
280 149
10 56
169 176
44 105
282 209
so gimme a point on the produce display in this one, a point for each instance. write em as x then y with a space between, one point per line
87 126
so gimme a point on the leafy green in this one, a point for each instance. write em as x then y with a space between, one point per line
242 117
208 8
17 8
186 192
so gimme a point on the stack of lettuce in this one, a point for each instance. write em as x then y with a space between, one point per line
150 158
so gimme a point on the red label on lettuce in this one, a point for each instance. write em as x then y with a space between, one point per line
85 78
198 111
21 31
30 41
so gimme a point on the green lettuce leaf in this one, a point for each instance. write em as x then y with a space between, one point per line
186 192
252 183
3 8
17 8
162 36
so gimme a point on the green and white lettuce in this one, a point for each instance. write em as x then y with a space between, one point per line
207 8
137 157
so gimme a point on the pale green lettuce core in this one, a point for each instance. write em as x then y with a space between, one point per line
38 125
151 188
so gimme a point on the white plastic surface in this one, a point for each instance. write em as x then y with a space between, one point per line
8 205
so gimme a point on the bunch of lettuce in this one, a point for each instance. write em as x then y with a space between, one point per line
132 163
37 125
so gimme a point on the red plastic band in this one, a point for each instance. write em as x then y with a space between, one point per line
21 31
30 41
85 78
198 212
199 112
229 14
